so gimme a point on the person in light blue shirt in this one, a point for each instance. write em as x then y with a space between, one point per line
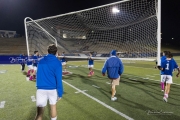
114 68
49 83
168 66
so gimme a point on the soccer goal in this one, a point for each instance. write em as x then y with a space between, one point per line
132 27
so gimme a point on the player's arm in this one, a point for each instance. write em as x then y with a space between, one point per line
121 68
104 68
59 80
177 67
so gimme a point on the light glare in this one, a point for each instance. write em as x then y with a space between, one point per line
115 10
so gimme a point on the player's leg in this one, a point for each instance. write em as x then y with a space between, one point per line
23 67
52 96
162 82
41 102
113 88
167 87
39 114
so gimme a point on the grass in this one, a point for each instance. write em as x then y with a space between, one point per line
139 95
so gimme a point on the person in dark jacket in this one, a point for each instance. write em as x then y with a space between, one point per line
114 68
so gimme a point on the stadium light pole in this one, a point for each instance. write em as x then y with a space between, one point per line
158 12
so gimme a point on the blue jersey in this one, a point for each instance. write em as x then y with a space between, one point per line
114 67
35 60
63 59
168 66
163 58
29 60
90 61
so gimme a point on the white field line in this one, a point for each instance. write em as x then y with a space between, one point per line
2 104
100 102
95 86
150 76
143 77
82 90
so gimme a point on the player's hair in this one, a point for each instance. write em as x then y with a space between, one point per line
169 55
35 52
52 49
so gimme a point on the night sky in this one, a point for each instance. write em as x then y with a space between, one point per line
13 12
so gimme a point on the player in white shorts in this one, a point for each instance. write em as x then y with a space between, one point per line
90 65
49 83
167 67
63 60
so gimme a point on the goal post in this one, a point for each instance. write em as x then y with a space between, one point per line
131 27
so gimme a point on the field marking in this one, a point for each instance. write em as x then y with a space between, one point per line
33 98
150 76
132 79
108 83
82 90
2 104
142 77
95 86
100 102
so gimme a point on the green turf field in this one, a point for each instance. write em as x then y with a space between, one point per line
88 98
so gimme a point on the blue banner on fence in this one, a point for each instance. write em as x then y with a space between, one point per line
11 59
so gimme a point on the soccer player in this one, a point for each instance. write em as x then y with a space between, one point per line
163 58
35 63
49 83
22 62
63 60
29 64
90 65
114 68
167 67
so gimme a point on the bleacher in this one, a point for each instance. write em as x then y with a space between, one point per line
12 46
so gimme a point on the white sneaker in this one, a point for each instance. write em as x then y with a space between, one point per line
162 90
165 99
114 99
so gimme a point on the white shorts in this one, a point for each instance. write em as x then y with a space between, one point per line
30 67
167 78
42 96
90 66
63 63
35 68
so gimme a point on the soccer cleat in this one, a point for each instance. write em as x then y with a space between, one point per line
162 90
165 99
114 99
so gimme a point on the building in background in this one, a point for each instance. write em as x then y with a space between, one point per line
7 34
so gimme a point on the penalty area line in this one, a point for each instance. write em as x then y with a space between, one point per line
100 102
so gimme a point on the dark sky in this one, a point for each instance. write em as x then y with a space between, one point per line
13 12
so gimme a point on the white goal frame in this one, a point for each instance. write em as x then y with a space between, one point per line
158 13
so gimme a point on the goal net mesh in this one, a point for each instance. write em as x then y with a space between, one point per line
130 27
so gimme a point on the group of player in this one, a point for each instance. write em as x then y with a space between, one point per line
168 66
32 63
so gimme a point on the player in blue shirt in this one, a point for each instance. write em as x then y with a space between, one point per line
30 66
22 62
35 63
163 58
90 65
63 61
49 83
114 68
168 67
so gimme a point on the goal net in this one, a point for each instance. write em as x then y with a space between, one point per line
128 26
